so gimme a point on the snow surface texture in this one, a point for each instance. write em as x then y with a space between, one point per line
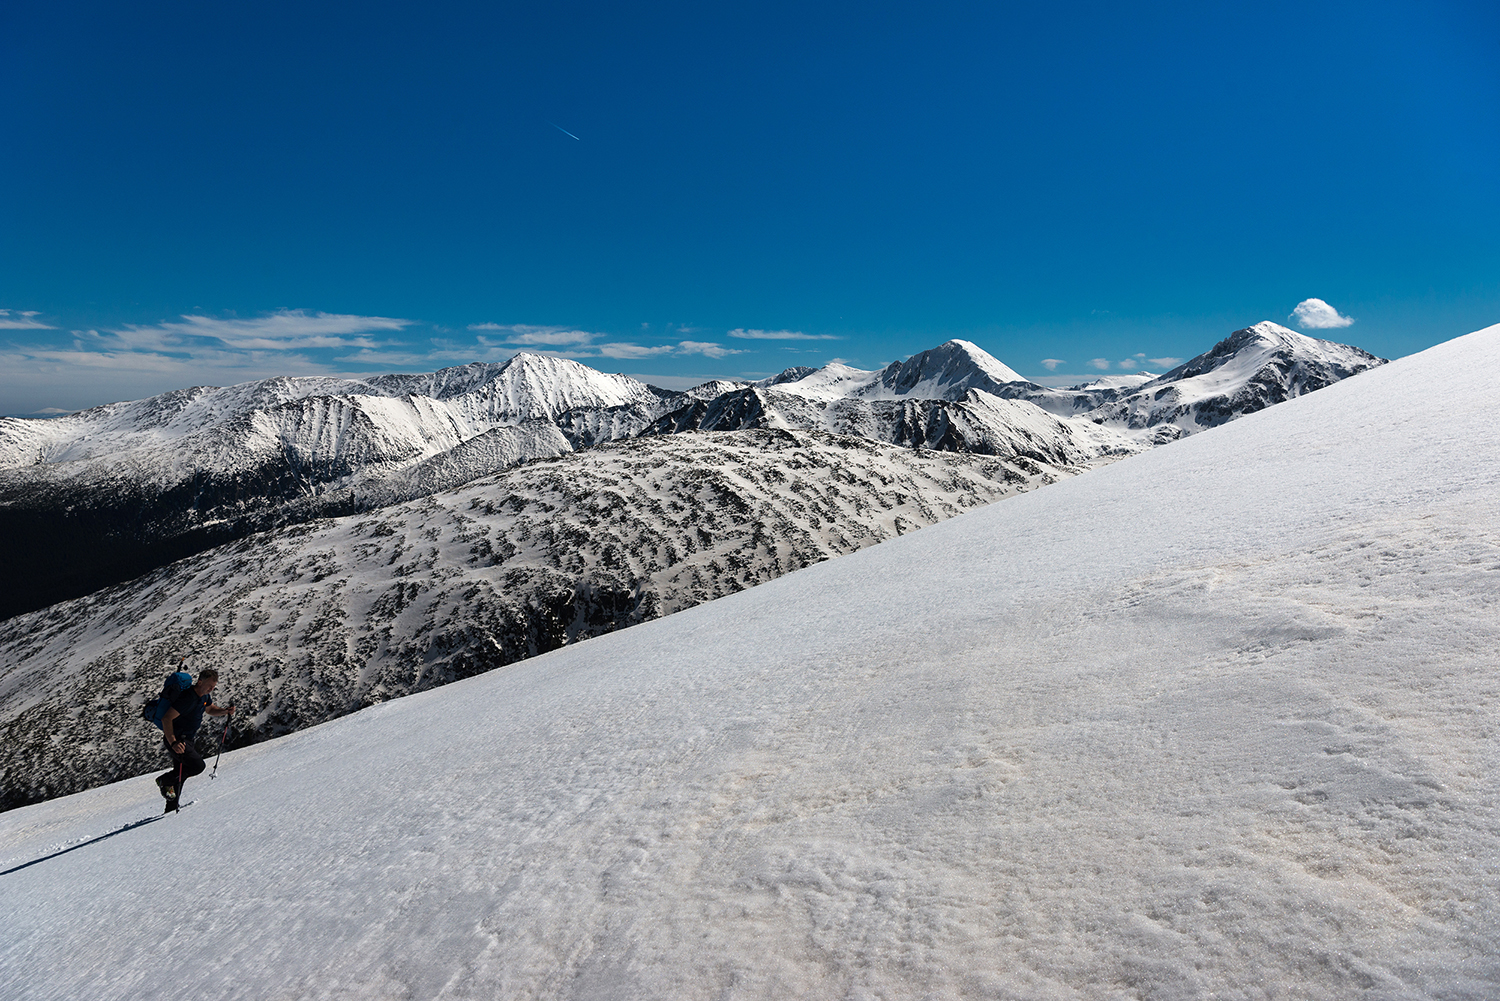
316 621
1216 720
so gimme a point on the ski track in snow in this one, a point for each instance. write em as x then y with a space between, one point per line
1216 720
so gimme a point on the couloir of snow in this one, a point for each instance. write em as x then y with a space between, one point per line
1215 720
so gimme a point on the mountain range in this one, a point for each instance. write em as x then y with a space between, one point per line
107 494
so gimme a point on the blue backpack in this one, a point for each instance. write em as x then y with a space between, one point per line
154 709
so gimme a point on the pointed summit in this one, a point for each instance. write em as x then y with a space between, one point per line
947 372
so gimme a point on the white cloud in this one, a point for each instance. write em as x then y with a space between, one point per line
778 335
1166 362
283 330
1050 364
627 350
706 348
523 334
21 320
1315 314
1130 363
1100 363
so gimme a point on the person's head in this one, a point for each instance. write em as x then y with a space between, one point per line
207 679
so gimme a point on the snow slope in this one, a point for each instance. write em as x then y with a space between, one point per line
318 620
1216 720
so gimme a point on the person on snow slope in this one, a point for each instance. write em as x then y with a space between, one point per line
179 725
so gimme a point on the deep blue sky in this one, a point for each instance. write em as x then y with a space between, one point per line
1073 182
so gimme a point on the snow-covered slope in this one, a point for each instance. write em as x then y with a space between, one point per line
1216 720
319 620
1249 370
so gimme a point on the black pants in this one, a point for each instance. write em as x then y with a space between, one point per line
184 765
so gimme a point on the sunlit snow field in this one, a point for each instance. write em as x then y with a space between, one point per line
1216 720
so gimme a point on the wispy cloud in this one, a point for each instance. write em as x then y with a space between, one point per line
1100 363
1166 362
624 349
1315 314
283 330
573 343
524 335
140 359
1050 364
778 335
14 319
707 349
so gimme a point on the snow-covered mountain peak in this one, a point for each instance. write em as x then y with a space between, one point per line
527 385
1249 370
946 372
956 358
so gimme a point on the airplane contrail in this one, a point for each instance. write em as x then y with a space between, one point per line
563 130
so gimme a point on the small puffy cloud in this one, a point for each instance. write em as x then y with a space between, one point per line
1166 362
1129 363
1315 314
1050 364
11 319
706 348
778 335
1100 363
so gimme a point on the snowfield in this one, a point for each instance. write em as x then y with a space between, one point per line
1215 720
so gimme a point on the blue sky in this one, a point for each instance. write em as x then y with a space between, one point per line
208 193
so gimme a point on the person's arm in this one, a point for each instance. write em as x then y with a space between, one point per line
176 745
219 710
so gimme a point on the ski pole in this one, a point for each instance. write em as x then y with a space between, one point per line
224 733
